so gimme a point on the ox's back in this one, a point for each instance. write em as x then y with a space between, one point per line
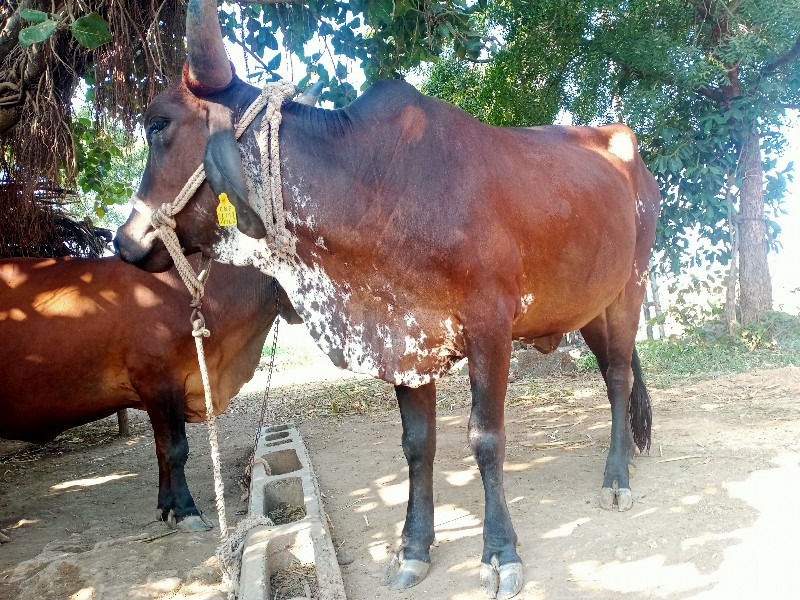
83 338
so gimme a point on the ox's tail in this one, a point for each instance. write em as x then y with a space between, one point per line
641 412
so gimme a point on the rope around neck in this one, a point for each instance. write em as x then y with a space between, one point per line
163 220
271 97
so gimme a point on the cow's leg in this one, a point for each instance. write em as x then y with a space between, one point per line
489 352
165 499
411 561
611 338
165 410
596 337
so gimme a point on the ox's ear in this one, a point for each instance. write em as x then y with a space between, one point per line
224 172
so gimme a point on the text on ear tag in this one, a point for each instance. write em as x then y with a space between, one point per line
226 212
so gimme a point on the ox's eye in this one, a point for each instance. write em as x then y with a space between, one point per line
155 126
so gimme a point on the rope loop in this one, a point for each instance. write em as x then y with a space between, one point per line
159 218
199 322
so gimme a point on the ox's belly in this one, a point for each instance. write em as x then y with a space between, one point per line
38 404
404 344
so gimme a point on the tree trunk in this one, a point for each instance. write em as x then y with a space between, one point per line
124 423
646 304
656 300
733 268
755 286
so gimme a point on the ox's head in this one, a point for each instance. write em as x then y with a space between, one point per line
190 123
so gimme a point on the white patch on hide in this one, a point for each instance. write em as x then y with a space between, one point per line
640 209
441 356
526 301
621 145
414 345
301 200
374 347
385 334
643 277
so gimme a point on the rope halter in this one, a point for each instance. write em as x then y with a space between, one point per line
271 98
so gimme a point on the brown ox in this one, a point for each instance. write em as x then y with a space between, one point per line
420 236
83 338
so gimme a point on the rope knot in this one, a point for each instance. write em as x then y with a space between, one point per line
200 331
198 321
159 218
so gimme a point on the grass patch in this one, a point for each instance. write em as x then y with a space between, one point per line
279 350
772 342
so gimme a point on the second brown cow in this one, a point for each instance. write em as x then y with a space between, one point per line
83 338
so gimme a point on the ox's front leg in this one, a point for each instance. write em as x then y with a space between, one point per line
489 356
411 561
165 410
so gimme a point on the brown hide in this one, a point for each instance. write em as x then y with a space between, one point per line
83 338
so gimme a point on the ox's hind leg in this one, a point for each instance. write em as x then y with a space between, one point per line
611 338
165 410
489 352
411 561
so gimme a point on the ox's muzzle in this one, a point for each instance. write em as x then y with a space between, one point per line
138 243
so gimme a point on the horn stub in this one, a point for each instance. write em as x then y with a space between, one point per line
311 95
208 67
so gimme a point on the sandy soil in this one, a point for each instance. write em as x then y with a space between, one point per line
714 516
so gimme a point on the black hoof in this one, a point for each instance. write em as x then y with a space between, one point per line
501 581
620 499
404 573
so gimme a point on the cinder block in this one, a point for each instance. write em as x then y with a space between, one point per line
287 478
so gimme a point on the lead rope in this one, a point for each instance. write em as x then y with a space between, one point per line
163 220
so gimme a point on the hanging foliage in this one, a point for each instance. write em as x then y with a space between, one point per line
124 50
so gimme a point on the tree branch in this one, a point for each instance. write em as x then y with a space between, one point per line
478 61
11 29
784 60
716 94
250 52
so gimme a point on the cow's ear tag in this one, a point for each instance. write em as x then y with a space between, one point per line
226 212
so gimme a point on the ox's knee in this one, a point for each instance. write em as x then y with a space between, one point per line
178 453
487 445
619 380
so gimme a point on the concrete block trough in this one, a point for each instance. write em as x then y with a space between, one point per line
283 487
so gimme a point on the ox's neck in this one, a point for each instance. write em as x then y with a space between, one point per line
333 163
346 186
240 294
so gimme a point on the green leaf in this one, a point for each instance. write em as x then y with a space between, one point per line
91 31
266 39
37 33
274 63
34 16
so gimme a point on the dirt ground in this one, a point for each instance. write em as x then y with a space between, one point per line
715 503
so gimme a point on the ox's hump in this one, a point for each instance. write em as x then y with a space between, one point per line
384 98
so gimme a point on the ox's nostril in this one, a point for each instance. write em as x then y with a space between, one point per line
126 249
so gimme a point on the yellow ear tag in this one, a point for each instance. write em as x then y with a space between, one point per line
226 212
